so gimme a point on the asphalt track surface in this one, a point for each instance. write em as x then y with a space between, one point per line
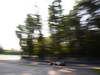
40 68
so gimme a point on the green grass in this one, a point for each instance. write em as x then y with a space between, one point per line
8 55
17 55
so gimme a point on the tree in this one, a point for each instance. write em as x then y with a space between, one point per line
91 8
1 49
86 14
26 33
55 21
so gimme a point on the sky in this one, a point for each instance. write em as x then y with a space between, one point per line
13 13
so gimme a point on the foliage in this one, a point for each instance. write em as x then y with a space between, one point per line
55 12
86 29
96 70
75 34
1 49
31 25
